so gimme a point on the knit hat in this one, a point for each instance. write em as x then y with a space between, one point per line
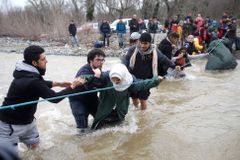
145 37
135 35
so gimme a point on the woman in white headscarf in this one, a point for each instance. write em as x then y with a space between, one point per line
113 103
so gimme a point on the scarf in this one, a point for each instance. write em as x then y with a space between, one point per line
151 50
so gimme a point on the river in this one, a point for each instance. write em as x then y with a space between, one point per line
196 118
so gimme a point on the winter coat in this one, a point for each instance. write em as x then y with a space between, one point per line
105 28
184 61
27 85
121 28
152 27
134 25
166 48
143 65
117 102
190 48
72 29
90 99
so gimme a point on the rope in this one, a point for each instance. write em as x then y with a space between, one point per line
13 106
219 41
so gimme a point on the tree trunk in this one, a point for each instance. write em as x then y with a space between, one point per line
90 10
156 8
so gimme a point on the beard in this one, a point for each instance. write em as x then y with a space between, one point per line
41 71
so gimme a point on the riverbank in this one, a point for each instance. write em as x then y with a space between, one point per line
17 45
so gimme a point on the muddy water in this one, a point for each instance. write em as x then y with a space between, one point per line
197 118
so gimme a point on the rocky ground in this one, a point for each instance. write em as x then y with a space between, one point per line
17 45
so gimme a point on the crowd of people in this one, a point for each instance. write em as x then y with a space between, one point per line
143 67
203 29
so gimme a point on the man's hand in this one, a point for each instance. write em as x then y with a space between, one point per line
178 68
161 78
78 82
97 72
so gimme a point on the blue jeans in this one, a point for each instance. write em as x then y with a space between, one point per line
121 39
80 113
74 40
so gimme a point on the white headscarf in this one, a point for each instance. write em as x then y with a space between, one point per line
120 71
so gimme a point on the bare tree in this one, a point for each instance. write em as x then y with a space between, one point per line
146 8
117 6
90 6
77 7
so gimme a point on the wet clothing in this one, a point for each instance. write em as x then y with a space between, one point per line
113 105
143 68
27 85
27 134
184 61
190 48
143 64
8 151
84 105
166 48
220 57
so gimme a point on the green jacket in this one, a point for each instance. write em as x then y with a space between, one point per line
112 99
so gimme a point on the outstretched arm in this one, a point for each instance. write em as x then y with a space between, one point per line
140 85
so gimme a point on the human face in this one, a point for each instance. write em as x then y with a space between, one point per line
183 52
116 80
173 40
190 38
97 62
42 62
144 45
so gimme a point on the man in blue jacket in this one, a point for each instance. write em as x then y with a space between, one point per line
84 105
121 31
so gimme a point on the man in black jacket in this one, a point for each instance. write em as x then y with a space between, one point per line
105 31
73 33
145 61
19 124
133 24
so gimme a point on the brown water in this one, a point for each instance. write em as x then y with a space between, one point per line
197 118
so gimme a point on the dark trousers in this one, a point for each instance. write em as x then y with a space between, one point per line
105 38
81 112
111 120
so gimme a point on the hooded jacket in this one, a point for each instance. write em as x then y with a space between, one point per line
117 100
27 85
